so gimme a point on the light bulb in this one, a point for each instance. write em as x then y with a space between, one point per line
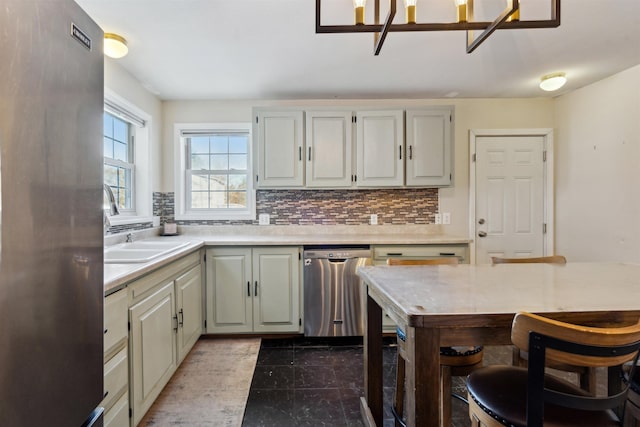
515 16
358 6
553 81
461 5
115 46
410 6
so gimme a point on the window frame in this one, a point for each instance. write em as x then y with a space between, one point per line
130 166
142 127
182 132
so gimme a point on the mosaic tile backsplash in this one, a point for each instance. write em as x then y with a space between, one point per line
326 207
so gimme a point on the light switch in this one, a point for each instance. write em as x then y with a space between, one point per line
263 219
446 218
438 218
374 219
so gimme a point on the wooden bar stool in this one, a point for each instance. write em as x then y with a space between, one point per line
524 397
586 376
454 361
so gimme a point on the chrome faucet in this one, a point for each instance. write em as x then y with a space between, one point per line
113 209
129 238
113 206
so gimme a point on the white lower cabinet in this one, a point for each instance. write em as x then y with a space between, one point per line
116 362
253 289
166 320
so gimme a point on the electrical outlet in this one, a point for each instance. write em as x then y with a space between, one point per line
438 218
264 219
374 219
446 218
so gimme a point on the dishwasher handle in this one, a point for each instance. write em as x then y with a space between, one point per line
337 260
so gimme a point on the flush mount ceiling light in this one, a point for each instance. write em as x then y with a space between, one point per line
509 19
115 46
552 82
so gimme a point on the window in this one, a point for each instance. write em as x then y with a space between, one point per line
217 173
118 160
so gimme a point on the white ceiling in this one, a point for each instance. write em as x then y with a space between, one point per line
268 49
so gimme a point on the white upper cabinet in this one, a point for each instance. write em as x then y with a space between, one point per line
328 149
380 154
280 160
428 135
314 148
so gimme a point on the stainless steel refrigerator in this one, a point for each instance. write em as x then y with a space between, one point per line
51 273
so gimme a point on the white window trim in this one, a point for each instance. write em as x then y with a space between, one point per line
181 212
143 203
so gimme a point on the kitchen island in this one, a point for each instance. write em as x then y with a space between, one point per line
450 305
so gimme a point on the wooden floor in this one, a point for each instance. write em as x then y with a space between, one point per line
211 386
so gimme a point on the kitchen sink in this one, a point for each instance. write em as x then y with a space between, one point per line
139 252
154 245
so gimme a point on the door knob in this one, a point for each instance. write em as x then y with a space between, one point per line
482 234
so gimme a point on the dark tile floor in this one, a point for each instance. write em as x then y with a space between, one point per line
319 381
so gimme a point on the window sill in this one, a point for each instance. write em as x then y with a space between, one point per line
216 217
129 219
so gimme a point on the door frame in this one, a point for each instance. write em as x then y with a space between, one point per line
548 182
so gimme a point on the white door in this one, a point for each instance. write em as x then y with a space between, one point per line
510 197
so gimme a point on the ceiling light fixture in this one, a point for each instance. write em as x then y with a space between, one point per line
115 46
552 82
508 19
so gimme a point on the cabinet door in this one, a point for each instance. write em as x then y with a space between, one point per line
229 290
328 148
276 306
189 298
379 140
428 147
280 142
153 347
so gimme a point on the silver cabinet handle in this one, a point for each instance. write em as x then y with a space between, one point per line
482 234
255 289
309 153
300 153
410 153
181 321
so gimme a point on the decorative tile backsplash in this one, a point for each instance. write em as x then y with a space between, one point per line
326 207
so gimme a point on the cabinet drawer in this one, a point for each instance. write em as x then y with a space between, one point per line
118 415
381 253
115 320
116 377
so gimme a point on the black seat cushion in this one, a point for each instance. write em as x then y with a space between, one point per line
502 392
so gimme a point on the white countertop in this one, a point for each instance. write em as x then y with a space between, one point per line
117 275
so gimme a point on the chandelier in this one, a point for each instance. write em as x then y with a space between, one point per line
508 19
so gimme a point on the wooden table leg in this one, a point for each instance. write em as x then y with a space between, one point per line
373 360
423 377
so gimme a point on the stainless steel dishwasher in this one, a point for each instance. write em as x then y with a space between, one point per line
333 291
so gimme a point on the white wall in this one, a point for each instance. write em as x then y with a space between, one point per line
598 170
469 114
127 87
